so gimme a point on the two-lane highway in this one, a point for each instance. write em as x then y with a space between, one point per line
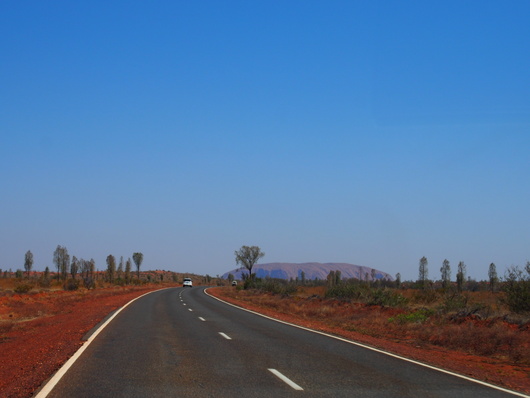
182 343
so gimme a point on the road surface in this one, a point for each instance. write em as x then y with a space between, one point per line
182 343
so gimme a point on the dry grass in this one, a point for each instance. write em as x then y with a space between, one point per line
475 323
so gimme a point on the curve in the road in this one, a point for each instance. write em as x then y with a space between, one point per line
376 350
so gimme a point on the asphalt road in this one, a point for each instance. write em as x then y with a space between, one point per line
182 343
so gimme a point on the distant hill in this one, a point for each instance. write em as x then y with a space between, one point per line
311 270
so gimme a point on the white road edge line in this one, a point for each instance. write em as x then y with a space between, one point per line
518 394
225 336
202 319
48 387
286 380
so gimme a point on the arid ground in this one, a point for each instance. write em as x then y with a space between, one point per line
40 331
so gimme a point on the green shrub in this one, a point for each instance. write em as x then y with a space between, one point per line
419 316
387 298
353 291
271 285
454 302
517 289
426 296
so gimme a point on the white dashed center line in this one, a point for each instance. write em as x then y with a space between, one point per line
202 319
189 309
225 336
291 383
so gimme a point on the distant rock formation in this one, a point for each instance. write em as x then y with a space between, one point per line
311 270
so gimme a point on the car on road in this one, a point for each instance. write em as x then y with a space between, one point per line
234 283
187 282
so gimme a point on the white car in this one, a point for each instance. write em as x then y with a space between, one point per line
187 282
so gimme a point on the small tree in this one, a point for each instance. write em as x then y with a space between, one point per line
398 280
517 288
446 273
128 271
331 278
423 274
248 256
338 277
74 267
61 258
138 258
460 276
120 268
111 268
492 274
28 262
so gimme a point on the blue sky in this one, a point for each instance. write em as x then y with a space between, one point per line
373 133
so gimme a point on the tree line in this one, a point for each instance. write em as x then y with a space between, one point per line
73 271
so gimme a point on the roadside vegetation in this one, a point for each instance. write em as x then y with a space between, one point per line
487 318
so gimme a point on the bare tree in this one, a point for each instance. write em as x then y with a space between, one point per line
423 275
28 262
248 256
446 273
138 258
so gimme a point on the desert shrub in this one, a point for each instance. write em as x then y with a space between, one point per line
71 284
45 282
427 296
418 316
353 291
23 288
272 285
517 289
453 302
89 283
386 298
120 282
496 339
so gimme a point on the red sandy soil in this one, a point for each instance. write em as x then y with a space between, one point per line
494 371
39 332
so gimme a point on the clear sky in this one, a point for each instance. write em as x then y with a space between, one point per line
368 132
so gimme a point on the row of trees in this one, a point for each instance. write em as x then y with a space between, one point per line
445 270
114 273
85 269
